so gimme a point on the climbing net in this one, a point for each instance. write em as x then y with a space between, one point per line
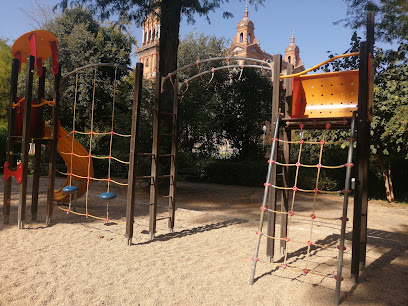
87 179
296 214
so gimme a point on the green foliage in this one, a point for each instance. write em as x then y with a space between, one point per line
132 10
229 106
389 135
390 15
196 46
235 172
390 126
81 41
5 74
233 108
169 13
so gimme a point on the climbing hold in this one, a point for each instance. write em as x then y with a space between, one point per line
70 189
107 196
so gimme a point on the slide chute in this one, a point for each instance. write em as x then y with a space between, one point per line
79 167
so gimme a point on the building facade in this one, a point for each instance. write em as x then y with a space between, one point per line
149 50
244 44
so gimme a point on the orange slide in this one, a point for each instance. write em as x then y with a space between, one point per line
79 164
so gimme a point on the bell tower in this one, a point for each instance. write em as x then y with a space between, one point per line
245 43
292 53
149 51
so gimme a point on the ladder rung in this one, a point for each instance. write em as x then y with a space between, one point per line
165 176
144 177
146 154
167 196
167 113
164 218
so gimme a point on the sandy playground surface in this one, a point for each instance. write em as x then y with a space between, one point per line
206 261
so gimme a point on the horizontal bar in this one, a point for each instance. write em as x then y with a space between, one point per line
95 65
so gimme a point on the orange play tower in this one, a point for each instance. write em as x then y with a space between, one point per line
25 125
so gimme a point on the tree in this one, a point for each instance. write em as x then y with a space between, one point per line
82 40
169 13
197 108
228 106
389 139
5 72
391 18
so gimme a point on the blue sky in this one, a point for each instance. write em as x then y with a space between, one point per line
311 20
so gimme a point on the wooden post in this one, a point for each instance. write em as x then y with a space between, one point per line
9 145
25 141
286 155
365 145
38 133
154 184
270 245
173 165
131 192
53 147
361 195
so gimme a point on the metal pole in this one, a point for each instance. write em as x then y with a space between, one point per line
344 215
264 202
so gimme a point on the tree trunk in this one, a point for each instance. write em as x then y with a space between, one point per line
386 172
169 35
390 182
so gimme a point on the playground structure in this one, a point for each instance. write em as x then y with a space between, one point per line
305 106
25 125
336 100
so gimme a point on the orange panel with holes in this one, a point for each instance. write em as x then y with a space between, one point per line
325 95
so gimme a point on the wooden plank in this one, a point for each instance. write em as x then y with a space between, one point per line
25 141
37 157
9 145
131 192
155 159
173 162
270 245
53 148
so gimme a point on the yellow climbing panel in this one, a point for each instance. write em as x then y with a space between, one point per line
325 95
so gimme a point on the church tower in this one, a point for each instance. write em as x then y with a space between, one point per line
149 51
292 54
245 43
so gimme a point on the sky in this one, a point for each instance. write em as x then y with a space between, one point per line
311 21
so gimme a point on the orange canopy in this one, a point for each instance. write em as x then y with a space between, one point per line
43 39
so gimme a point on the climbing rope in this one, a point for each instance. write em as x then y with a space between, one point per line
291 213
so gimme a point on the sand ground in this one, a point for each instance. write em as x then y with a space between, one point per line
206 261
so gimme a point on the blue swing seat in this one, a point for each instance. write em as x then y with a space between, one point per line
70 189
107 196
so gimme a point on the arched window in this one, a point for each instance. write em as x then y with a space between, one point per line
289 60
249 38
145 37
241 37
154 34
150 35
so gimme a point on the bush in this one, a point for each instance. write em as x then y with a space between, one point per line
230 172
